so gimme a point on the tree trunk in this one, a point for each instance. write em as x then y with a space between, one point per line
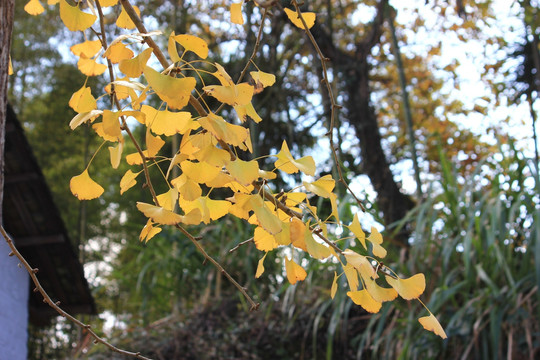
6 27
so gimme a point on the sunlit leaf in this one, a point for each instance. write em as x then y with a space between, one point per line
168 199
193 43
284 236
365 300
431 323
245 172
260 267
352 276
209 209
10 67
294 271
168 123
175 92
153 143
119 52
149 231
298 229
34 7
116 154
90 67
107 3
128 181
288 164
231 134
378 293
263 78
322 187
82 100
84 117
376 240
124 21
247 111
158 214
410 288
213 155
133 68
189 189
361 263
315 249
309 18
84 188
86 49
334 287
111 125
135 158
74 18
236 13
266 217
200 172
356 229
240 94
264 241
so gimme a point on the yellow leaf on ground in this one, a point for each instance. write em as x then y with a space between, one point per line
236 13
365 300
84 188
431 323
245 172
82 100
294 271
149 231
128 181
74 18
322 187
264 241
158 214
166 122
376 240
260 267
240 94
193 43
309 18
356 229
232 134
124 21
133 68
410 288
175 92
118 52
90 67
86 49
288 164
34 7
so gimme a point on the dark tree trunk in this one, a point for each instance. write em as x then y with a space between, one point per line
354 70
6 27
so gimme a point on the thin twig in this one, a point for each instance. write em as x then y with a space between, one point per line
240 244
47 299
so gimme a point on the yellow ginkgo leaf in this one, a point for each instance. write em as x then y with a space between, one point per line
34 7
119 52
149 231
315 249
86 49
90 67
356 229
84 117
175 92
334 287
378 293
168 199
352 276
232 94
106 3
266 217
122 92
297 230
153 143
135 158
200 172
193 43
284 236
376 240
213 155
410 288
247 111
260 267
245 172
10 67
84 188
133 68
309 18
231 134
74 18
361 263
116 154
263 78
128 181
189 189
264 241
124 21
236 13
172 50
362 298
54 2
165 122
294 271
288 164
82 100
431 323
158 214
209 209
111 125
322 187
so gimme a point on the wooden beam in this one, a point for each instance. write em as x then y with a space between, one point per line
39 240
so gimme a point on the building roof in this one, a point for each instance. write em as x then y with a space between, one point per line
33 220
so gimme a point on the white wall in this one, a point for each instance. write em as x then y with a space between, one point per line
13 306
